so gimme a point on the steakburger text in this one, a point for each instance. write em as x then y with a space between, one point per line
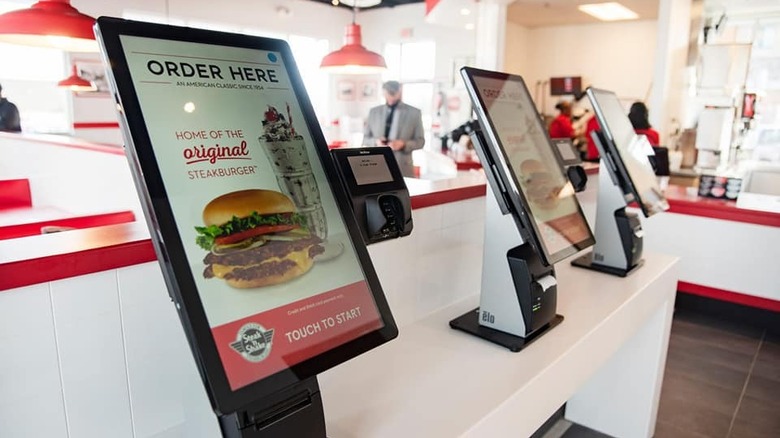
221 172
322 325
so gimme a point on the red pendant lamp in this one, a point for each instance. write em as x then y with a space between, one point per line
74 82
49 23
353 58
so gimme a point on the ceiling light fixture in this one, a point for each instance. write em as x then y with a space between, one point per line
49 23
465 11
352 57
74 82
611 11
361 3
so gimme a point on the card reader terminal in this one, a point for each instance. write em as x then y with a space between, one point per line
380 199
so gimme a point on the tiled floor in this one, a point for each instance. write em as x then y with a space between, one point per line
722 380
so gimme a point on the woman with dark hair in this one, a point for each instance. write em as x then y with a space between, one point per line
639 117
561 126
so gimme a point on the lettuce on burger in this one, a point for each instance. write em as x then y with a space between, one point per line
255 238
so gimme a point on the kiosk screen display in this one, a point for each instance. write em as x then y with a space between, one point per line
529 165
628 151
260 251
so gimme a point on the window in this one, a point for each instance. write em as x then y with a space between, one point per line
31 84
414 64
308 53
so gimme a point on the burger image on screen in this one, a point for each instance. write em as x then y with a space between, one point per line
540 184
255 238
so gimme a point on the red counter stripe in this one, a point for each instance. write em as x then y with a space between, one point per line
96 220
95 125
725 212
57 267
446 196
728 296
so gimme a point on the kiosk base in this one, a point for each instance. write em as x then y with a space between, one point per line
469 323
586 261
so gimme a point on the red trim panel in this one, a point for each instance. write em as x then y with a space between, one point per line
682 202
15 193
728 296
96 220
57 267
95 125
447 196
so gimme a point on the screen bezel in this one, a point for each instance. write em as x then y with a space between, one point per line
165 237
611 149
520 206
342 160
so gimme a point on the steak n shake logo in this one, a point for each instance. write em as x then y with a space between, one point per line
253 342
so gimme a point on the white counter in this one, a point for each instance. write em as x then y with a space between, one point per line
437 382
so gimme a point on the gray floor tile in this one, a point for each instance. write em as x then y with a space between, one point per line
763 389
697 394
692 418
712 353
745 342
694 367
669 430
704 323
768 361
756 418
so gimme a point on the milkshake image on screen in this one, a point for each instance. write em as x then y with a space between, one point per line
286 151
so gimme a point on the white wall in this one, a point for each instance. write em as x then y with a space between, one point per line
386 26
517 58
614 56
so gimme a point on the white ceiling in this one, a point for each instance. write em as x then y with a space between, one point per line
541 13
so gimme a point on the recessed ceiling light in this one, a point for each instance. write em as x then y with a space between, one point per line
465 11
361 3
611 11
469 26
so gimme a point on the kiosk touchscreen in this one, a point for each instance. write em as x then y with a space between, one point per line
527 178
252 227
626 176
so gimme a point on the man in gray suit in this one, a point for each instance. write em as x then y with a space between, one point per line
397 125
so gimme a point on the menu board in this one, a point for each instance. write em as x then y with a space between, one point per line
516 129
269 253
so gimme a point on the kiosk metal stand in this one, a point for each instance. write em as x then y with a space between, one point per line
618 248
519 293
295 411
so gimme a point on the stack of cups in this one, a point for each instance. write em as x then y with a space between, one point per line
293 171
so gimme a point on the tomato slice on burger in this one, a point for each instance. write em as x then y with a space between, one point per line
257 231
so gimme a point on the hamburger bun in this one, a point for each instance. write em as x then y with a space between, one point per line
243 203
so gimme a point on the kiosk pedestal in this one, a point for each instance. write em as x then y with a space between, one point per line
618 248
519 294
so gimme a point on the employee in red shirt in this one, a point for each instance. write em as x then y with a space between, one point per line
561 126
639 115
592 153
